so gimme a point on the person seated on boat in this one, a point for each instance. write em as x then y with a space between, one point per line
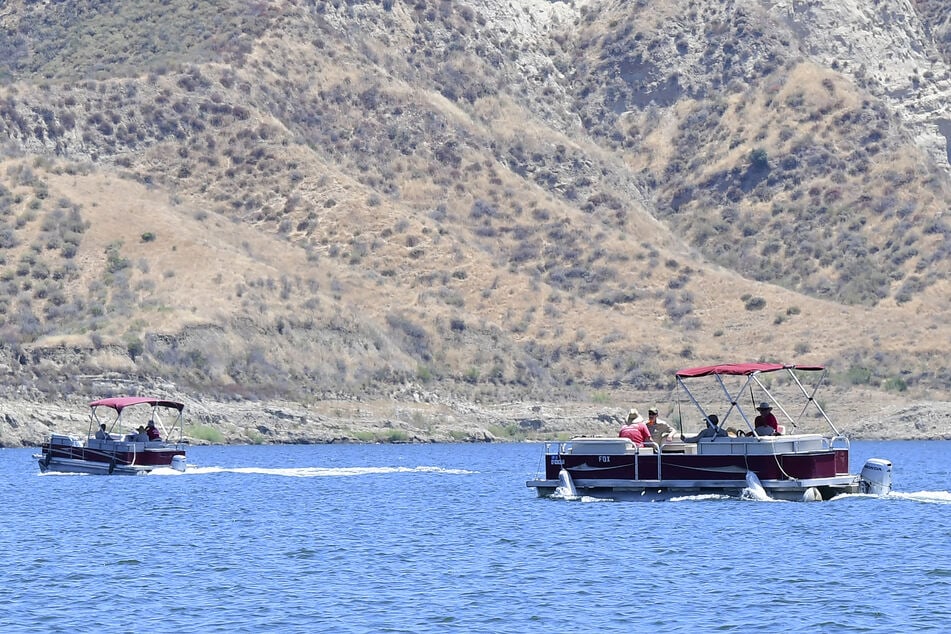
711 431
660 430
141 436
102 434
635 431
152 431
766 424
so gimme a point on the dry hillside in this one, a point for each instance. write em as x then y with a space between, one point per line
479 200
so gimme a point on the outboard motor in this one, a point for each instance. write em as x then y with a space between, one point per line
178 462
876 477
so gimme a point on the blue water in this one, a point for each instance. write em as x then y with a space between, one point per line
447 538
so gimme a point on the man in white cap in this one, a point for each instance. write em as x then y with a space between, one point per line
634 416
766 424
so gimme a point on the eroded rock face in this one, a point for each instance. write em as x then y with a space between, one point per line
897 49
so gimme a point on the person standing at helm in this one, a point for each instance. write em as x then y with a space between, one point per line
766 423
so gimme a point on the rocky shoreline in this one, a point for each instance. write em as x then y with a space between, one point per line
27 422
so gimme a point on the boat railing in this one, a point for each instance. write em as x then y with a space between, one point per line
840 442
656 450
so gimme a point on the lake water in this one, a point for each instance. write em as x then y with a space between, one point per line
447 538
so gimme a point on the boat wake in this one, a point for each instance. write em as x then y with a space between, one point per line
562 495
754 490
314 472
164 471
700 498
930 497
925 497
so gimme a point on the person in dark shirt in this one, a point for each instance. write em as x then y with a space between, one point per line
712 430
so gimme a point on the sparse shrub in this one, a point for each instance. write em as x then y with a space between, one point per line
857 375
135 347
203 432
755 303
424 373
895 384
114 261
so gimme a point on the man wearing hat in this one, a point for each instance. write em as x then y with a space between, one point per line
635 430
660 430
766 424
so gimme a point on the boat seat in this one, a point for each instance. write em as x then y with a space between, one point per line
603 446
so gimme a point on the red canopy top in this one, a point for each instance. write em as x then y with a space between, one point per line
119 402
740 369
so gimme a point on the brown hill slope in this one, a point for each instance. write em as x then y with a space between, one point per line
495 202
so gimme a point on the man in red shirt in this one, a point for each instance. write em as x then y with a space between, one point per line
637 432
766 424
154 434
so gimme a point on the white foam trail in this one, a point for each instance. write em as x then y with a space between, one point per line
754 489
926 497
324 472
164 471
930 497
699 498
587 499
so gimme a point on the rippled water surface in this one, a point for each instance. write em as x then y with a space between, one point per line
441 538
